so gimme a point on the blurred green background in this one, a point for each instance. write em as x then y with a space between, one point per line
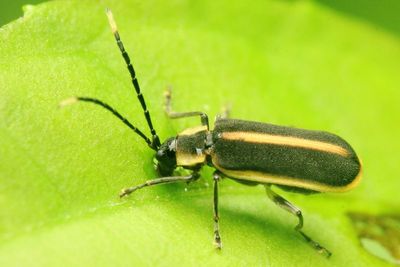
384 13
331 65
11 10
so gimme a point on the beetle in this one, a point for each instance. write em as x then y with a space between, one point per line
252 153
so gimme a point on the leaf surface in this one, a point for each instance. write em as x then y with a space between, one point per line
286 62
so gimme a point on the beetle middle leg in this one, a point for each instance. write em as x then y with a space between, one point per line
286 205
225 112
177 115
163 180
217 237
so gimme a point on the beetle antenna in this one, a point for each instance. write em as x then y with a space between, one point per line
156 140
73 100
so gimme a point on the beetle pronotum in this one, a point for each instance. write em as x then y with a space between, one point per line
252 153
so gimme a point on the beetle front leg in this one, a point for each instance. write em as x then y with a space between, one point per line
162 180
217 237
286 205
177 115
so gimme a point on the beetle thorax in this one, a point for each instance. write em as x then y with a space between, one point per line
190 146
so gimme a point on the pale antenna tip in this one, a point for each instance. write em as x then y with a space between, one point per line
68 101
111 20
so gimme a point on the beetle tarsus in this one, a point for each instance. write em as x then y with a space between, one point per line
217 240
127 191
320 249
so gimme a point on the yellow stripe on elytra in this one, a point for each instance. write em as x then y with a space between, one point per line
264 138
265 178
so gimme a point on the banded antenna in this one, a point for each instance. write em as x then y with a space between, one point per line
155 142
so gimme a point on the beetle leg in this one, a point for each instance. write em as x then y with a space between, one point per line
225 112
217 237
162 180
286 205
177 115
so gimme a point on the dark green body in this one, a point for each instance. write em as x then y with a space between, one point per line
282 164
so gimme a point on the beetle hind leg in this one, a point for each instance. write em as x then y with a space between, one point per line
286 205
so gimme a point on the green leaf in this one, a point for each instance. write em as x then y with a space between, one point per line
285 62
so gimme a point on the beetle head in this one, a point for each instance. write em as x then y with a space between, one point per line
166 157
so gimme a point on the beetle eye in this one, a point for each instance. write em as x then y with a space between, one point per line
160 154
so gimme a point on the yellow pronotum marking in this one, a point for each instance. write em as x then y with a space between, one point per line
265 178
263 138
193 130
187 159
